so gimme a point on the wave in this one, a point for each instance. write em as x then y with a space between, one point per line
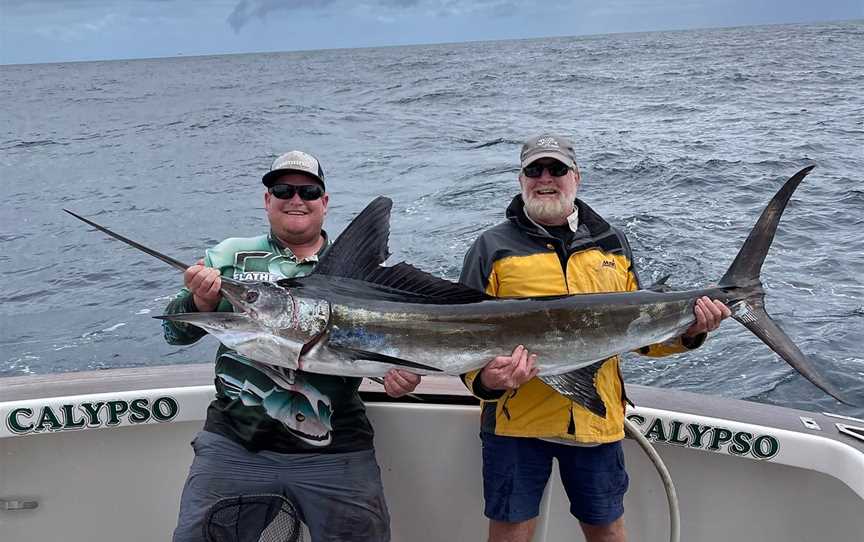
492 143
433 96
31 144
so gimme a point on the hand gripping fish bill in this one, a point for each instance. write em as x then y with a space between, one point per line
353 316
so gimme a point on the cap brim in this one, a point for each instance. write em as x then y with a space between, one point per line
270 177
560 156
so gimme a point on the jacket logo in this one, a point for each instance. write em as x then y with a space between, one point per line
252 261
608 263
257 276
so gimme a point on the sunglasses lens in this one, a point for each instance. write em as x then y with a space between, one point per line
532 171
307 192
310 192
283 191
558 170
536 170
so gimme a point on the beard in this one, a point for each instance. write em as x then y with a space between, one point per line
549 212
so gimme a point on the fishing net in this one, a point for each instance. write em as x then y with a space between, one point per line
253 518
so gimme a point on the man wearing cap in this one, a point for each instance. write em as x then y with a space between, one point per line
272 430
553 244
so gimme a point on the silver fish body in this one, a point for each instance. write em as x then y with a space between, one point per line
566 333
354 317
348 336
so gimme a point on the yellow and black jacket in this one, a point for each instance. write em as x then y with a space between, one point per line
518 258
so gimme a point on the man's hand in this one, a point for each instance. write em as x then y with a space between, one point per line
709 313
509 372
204 283
398 383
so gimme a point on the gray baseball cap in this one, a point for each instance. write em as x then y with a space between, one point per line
548 146
299 161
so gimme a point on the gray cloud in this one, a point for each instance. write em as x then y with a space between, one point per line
399 3
495 8
247 9
70 4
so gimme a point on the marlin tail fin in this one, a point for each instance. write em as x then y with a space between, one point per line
747 296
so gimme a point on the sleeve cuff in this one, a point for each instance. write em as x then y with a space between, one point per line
483 392
189 304
692 343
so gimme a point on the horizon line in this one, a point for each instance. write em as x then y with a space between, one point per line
430 43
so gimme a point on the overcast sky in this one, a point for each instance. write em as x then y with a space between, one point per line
65 30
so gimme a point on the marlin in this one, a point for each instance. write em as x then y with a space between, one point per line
353 316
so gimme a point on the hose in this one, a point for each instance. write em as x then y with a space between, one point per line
671 495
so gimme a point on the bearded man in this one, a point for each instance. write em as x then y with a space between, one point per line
554 244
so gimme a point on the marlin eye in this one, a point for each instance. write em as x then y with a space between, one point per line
300 417
251 297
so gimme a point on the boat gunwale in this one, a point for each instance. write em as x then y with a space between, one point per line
826 450
435 389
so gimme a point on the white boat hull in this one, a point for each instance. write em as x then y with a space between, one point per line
123 482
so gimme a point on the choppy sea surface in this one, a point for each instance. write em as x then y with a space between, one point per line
683 137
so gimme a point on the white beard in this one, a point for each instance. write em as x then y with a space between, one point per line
549 211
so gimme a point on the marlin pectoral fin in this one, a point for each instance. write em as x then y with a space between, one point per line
379 380
245 335
210 320
383 358
579 386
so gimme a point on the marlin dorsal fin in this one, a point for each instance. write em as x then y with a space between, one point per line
431 289
361 249
661 285
363 246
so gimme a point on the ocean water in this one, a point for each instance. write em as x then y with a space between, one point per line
683 137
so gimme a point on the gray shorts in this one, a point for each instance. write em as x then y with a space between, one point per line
339 496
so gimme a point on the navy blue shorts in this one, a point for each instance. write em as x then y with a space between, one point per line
516 470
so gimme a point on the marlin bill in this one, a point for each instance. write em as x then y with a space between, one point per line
353 316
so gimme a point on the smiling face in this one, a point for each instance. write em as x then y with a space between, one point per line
296 222
548 198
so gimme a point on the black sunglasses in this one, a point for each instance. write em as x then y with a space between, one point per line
308 192
556 169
